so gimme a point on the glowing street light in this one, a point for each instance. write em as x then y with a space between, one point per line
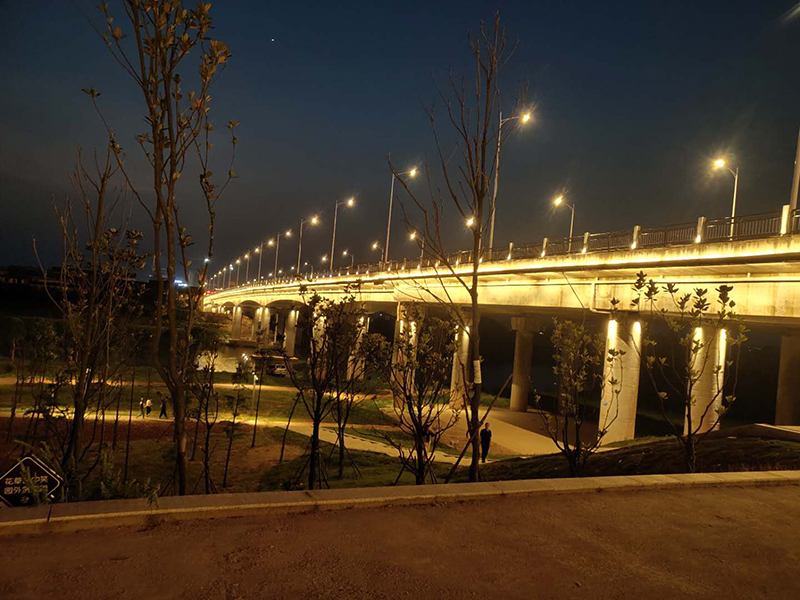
238 269
411 173
413 236
247 270
470 221
276 241
524 118
258 250
558 201
352 257
230 274
350 202
313 221
721 164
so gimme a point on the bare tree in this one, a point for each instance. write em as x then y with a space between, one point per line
580 358
471 108
328 333
95 291
158 37
686 344
417 376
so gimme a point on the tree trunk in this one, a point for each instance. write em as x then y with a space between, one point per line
179 407
313 463
419 474
341 453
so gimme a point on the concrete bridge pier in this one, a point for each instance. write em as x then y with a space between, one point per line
525 327
290 331
256 323
787 406
620 394
266 316
460 370
355 364
236 323
709 367
405 338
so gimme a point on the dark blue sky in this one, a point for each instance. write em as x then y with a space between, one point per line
632 99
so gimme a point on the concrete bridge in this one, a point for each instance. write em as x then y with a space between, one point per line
758 255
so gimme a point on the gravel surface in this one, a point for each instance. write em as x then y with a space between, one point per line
703 543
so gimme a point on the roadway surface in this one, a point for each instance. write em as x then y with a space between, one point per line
701 543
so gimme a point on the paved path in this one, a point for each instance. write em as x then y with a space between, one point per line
685 543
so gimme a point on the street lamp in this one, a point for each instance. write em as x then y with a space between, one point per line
558 202
313 220
721 164
349 202
524 119
258 251
411 173
413 236
277 243
238 269
352 258
470 221
377 246
247 270
230 274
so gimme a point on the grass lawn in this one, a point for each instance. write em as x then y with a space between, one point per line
374 470
658 456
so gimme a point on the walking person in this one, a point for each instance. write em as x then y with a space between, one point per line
141 407
148 405
163 412
486 441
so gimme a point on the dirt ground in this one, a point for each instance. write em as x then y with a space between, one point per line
707 543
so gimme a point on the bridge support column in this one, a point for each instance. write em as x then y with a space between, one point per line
266 315
290 331
787 407
620 381
405 339
525 327
356 363
256 324
458 383
236 323
707 391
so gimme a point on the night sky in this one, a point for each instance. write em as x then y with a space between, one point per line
631 102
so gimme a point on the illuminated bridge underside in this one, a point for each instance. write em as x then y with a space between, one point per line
765 275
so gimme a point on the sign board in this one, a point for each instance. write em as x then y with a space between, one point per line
15 492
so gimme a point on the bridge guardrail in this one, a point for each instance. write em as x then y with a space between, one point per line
764 225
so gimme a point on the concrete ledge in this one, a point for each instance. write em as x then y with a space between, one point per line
114 513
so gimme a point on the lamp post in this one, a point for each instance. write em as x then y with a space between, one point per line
247 269
377 246
313 220
230 274
277 243
349 202
411 173
721 164
524 118
413 236
352 258
238 270
558 202
258 251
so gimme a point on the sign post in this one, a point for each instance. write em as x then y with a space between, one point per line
14 490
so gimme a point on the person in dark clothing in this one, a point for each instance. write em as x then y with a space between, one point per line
163 412
486 441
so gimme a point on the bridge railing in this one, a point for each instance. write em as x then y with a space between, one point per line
745 227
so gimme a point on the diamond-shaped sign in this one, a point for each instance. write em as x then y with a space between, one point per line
15 492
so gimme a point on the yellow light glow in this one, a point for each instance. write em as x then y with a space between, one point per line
470 221
413 172
719 163
288 233
237 261
412 235
351 201
257 250
247 256
314 220
374 245
698 239
526 117
558 200
344 253
271 243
